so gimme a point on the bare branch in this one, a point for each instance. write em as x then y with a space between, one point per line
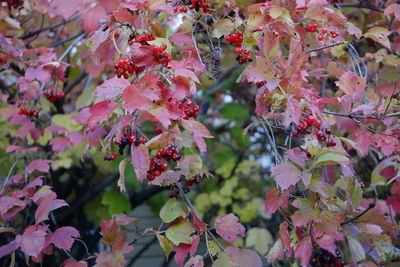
324 47
360 5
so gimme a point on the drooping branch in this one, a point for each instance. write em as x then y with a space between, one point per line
50 27
360 5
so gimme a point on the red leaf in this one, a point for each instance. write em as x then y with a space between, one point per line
284 235
297 156
100 111
293 111
198 131
228 227
32 241
287 174
91 18
111 88
297 58
140 161
39 165
274 199
134 100
303 251
60 143
198 223
181 252
37 74
63 237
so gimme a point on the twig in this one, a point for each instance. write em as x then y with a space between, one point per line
323 47
8 175
69 48
360 5
352 116
271 139
190 205
50 27
61 42
371 206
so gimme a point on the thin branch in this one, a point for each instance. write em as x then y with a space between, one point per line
352 116
141 251
371 206
69 48
190 205
360 5
323 47
8 175
271 139
50 27
61 42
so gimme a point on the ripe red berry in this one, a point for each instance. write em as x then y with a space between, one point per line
143 140
308 154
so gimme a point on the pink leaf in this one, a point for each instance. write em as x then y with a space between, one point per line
91 18
284 235
243 257
133 99
74 263
32 241
195 262
297 156
293 111
112 88
140 161
297 58
287 175
49 203
63 237
275 199
393 9
122 219
39 165
303 251
198 131
113 258
100 111
351 84
60 143
37 74
228 227
8 248
10 206
63 8
181 252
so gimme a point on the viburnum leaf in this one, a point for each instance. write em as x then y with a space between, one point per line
74 263
379 35
180 233
276 252
356 249
297 58
48 204
393 9
287 174
31 241
297 156
181 252
63 237
275 199
113 258
111 88
100 111
64 9
330 159
293 111
39 74
351 84
284 235
196 261
165 244
303 251
235 257
171 211
140 161
198 132
228 227
8 248
39 165
260 238
10 206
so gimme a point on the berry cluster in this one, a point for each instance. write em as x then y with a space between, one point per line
112 157
180 9
235 38
142 38
312 27
190 109
161 56
242 54
203 4
322 134
195 180
17 4
323 258
29 112
53 97
157 165
128 139
124 68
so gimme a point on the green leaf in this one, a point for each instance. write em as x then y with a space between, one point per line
180 233
232 111
117 203
356 250
330 159
165 244
171 210
260 238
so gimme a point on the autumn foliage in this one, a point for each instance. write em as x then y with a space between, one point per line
259 132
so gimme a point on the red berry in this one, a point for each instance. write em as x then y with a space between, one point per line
308 154
143 140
